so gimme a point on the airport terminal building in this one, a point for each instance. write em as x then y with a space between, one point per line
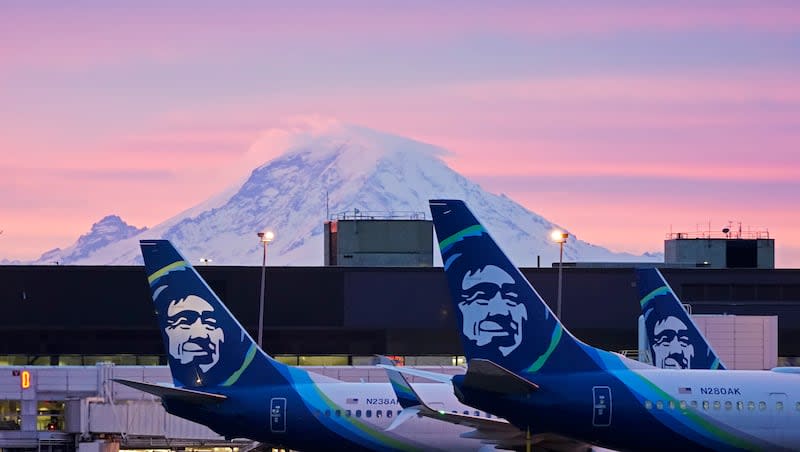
70 315
369 299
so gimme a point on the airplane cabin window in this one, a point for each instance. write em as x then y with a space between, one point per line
379 413
751 405
389 413
682 404
348 413
693 403
728 405
705 404
398 412
338 413
659 405
466 412
671 404
369 413
648 405
779 406
740 405
797 406
762 405
358 413
716 404
328 413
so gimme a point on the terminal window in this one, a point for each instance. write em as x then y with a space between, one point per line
9 415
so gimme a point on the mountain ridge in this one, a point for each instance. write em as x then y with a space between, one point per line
336 168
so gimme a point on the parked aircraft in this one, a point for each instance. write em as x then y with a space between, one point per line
674 340
526 367
222 379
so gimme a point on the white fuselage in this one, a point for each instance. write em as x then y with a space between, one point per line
762 404
375 404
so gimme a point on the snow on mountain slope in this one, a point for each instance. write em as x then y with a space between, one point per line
356 168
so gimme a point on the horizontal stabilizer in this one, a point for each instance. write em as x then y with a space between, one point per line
441 378
186 395
484 375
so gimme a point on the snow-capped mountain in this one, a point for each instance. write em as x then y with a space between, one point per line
108 230
340 169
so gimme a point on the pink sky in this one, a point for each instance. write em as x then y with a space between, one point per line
618 122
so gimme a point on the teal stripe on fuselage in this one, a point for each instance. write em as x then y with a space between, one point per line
689 423
349 428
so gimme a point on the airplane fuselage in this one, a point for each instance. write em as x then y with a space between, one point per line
655 409
321 416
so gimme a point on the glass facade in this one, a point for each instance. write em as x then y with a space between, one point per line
10 415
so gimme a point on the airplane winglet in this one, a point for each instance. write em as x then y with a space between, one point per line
186 395
487 376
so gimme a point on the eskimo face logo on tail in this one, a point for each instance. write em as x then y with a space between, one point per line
492 314
193 333
672 342
489 298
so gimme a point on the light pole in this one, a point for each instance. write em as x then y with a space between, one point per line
265 237
561 238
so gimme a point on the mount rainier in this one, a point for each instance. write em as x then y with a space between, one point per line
320 173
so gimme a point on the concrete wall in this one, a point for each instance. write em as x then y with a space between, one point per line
695 252
404 243
742 342
698 251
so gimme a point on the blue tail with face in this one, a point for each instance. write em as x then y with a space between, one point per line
675 341
206 346
501 317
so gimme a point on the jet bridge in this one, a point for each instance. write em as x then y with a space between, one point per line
80 408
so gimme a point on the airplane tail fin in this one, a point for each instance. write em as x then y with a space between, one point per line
502 317
674 339
206 346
